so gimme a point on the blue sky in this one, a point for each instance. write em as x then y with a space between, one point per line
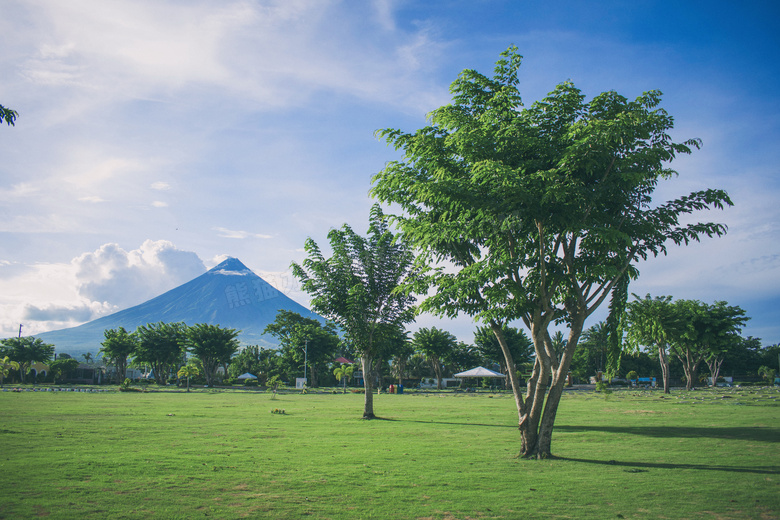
156 137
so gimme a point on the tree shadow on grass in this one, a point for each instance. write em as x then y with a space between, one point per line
744 433
449 423
764 470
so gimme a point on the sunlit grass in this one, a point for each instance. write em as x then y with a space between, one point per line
225 455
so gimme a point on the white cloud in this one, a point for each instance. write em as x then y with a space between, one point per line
126 278
161 186
46 297
230 233
159 204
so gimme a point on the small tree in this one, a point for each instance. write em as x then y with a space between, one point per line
767 373
189 370
343 373
6 365
116 348
357 287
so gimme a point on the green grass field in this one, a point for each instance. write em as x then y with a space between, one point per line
633 454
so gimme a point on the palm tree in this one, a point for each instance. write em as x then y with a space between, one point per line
767 373
188 371
342 373
6 365
87 357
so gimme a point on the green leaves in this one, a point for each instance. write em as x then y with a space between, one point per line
536 206
357 287
8 115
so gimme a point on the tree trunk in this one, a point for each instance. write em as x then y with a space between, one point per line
436 365
664 359
690 367
559 374
514 382
368 385
714 365
534 404
121 371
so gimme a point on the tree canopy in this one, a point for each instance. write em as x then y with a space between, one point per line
26 351
116 348
304 340
536 213
357 288
435 344
212 345
160 345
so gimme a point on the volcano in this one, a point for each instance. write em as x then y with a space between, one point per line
229 295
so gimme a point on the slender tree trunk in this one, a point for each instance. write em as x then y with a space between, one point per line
368 385
664 359
436 365
534 405
513 382
121 371
714 365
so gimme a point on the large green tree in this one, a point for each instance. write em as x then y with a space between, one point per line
706 332
161 346
117 346
357 288
653 324
538 212
304 340
212 345
26 351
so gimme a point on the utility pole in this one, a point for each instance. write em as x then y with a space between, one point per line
305 358
20 330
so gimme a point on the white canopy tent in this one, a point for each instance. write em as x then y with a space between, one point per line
479 372
246 375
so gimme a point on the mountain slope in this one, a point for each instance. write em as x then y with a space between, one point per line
229 295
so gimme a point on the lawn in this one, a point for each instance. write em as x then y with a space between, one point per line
632 454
